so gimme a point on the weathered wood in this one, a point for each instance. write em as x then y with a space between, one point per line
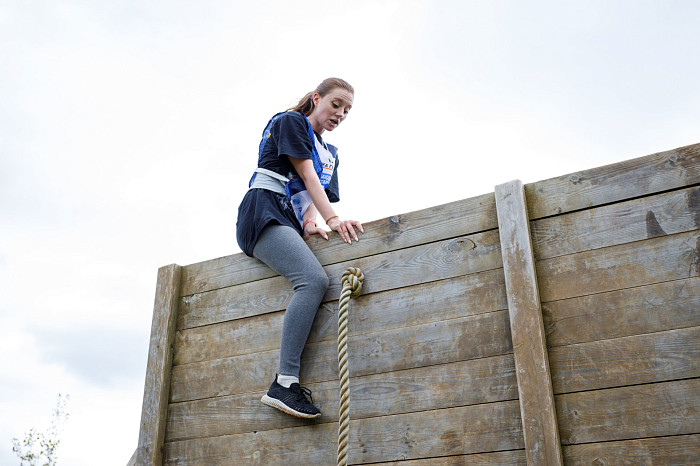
455 431
405 267
471 429
403 307
420 264
614 314
460 339
503 458
681 449
437 223
460 218
484 380
655 410
529 347
642 176
610 225
157 385
655 357
646 262
308 444
222 272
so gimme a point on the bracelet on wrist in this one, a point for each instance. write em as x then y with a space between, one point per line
330 218
308 220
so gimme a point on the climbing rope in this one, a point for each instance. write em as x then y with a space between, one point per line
352 286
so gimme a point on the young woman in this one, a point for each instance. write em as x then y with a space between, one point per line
296 179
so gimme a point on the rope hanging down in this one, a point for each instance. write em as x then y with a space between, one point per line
352 287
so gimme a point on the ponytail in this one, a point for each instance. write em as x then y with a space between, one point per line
306 104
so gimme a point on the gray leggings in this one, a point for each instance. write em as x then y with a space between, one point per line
285 252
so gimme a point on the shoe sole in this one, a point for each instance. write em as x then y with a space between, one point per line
286 409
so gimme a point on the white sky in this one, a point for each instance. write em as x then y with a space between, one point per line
129 130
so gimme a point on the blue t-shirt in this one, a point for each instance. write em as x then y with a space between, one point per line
289 137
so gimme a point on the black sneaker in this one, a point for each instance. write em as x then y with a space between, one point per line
291 400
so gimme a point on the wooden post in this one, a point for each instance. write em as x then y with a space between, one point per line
529 346
160 356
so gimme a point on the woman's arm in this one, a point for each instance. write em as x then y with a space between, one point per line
346 228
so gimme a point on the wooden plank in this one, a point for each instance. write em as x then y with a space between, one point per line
459 218
484 380
614 314
470 429
681 449
456 431
429 262
646 262
663 171
157 385
504 458
308 444
529 346
654 410
460 339
222 272
437 223
655 357
403 307
610 225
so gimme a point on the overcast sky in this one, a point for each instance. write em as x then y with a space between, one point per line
129 130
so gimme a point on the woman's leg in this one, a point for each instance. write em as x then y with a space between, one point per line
284 250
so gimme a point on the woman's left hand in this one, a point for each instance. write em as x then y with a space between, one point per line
346 228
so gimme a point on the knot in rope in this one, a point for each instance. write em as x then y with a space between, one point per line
353 277
352 287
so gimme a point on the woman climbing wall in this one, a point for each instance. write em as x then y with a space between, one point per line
296 179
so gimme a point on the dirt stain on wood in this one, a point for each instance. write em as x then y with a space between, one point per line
653 227
694 206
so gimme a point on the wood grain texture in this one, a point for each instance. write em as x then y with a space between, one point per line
459 218
681 449
157 385
620 223
406 267
455 431
484 380
656 260
663 171
453 340
437 223
309 444
420 304
537 408
502 458
469 429
654 410
634 311
655 357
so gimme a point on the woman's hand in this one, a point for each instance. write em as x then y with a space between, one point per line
310 228
346 228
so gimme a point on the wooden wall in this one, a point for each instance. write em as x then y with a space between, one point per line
615 262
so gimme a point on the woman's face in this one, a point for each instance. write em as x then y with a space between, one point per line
330 109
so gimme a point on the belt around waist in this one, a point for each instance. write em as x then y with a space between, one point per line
267 179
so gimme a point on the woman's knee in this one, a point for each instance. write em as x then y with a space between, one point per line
318 281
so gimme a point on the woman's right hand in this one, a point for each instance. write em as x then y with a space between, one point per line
345 228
